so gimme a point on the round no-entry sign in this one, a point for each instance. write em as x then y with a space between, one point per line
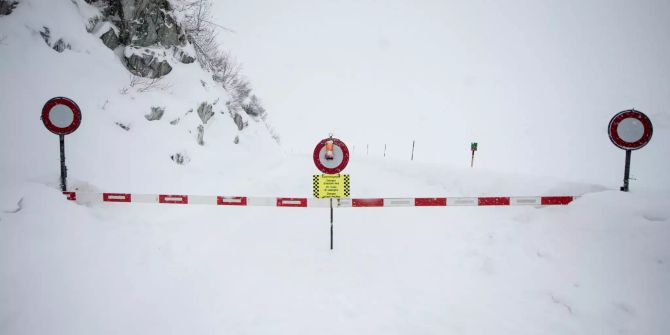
61 116
630 130
331 156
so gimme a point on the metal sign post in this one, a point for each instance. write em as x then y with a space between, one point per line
629 130
63 168
473 148
626 172
61 116
331 156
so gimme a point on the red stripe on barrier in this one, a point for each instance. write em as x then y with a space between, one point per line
430 201
170 199
367 202
70 195
116 197
494 201
291 202
231 201
556 200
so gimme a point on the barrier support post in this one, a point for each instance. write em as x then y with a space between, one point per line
331 223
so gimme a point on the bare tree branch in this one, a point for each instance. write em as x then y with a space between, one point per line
143 85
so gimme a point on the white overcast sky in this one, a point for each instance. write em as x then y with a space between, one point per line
528 80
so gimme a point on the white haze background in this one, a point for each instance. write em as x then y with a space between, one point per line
534 82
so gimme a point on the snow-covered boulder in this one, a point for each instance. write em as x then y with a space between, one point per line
149 30
110 39
150 23
7 6
205 112
146 62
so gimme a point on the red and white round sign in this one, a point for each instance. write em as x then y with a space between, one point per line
331 156
630 130
61 116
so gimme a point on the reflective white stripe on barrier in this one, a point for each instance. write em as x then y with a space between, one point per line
261 201
145 198
462 202
183 199
525 200
398 202
202 200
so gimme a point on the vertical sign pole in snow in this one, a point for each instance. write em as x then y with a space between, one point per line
629 130
331 156
626 172
384 150
331 223
61 116
63 168
412 158
473 148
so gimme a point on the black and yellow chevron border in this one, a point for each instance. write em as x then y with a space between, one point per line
315 186
347 186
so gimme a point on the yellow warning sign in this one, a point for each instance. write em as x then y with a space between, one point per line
331 186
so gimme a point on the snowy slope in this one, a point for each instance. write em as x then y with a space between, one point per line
100 153
598 266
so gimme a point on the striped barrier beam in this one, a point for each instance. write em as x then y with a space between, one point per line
217 200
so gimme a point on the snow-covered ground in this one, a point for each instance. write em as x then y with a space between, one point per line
600 265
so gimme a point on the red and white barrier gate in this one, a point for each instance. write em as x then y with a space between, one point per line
182 199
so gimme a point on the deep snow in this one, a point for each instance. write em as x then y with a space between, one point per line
598 266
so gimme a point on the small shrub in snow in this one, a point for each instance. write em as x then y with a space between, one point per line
147 84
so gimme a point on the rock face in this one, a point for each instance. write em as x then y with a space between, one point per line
180 158
110 39
237 118
149 31
59 45
7 6
149 23
147 65
183 56
205 112
156 114
201 135
123 126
